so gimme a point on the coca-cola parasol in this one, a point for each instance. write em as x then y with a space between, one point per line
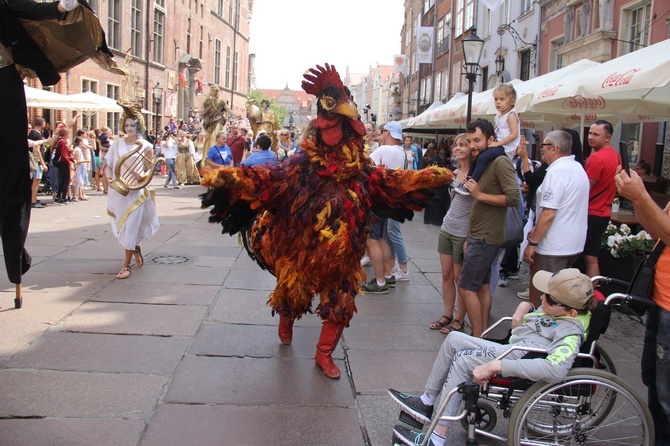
635 87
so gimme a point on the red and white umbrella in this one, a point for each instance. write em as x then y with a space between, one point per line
635 87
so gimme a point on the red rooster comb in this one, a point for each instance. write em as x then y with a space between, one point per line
320 78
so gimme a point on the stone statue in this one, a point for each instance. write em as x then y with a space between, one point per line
567 26
585 17
213 117
606 14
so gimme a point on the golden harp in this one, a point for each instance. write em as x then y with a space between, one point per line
137 172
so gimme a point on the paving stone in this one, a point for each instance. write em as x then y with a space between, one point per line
102 353
149 293
16 335
377 410
39 307
217 425
214 261
393 313
80 266
256 341
60 283
33 393
377 371
193 250
361 336
251 280
157 320
71 432
267 381
178 274
250 307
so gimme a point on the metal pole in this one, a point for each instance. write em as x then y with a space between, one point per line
471 80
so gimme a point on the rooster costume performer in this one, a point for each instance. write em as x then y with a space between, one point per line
306 220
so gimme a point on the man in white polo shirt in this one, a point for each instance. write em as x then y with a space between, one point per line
562 211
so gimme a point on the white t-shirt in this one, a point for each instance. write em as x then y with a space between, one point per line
566 189
392 157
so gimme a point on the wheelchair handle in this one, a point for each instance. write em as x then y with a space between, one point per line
609 280
492 327
616 298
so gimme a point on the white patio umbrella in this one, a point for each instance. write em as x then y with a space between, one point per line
485 104
37 96
97 103
633 86
422 119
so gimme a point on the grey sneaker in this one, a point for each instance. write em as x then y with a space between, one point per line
412 405
410 437
513 275
373 288
502 281
365 261
523 294
390 281
401 277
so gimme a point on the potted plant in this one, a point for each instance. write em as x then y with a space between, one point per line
621 252
615 205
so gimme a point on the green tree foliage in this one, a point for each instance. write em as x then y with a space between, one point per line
279 110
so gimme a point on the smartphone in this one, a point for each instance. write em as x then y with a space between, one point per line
623 152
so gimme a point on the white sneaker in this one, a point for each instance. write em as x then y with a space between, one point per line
365 261
525 295
401 277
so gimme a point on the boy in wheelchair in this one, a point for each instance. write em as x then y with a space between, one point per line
558 326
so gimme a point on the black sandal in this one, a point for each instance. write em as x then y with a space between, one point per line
438 325
448 329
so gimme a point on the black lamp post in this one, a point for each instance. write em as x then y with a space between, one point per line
472 51
373 118
158 97
500 64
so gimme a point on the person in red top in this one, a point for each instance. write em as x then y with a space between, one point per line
64 163
236 142
600 167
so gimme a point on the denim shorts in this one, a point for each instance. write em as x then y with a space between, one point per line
37 175
451 245
378 227
477 261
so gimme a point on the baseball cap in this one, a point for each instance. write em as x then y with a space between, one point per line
395 128
568 286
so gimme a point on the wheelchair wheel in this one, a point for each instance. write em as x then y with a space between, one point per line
580 410
485 419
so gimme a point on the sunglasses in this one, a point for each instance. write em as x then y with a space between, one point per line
552 303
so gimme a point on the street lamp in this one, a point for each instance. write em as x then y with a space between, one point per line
472 52
500 64
158 97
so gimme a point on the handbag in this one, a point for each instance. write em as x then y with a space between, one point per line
513 227
33 162
642 285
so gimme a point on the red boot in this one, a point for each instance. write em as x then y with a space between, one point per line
285 329
330 336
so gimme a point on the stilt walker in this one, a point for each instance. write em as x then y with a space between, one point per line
306 219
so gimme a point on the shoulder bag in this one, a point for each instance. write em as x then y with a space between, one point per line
642 284
513 227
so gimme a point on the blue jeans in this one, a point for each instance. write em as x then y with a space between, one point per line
172 175
656 371
395 241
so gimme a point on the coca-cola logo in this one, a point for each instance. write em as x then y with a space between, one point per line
646 117
452 112
617 79
587 117
549 92
460 120
579 102
527 124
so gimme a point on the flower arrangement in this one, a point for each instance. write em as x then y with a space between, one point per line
615 201
621 243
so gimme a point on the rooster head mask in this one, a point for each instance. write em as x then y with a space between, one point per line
335 108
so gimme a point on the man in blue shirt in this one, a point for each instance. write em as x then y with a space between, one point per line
264 156
219 154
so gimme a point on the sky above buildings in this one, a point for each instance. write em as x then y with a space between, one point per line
291 36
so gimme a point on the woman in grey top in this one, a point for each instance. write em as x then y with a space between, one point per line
450 246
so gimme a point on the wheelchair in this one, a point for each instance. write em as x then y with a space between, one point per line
592 405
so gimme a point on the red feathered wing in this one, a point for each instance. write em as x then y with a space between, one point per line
398 193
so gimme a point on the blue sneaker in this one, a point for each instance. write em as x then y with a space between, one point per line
412 405
409 436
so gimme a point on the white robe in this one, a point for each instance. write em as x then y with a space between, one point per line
133 217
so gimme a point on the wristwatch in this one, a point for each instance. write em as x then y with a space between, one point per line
531 243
